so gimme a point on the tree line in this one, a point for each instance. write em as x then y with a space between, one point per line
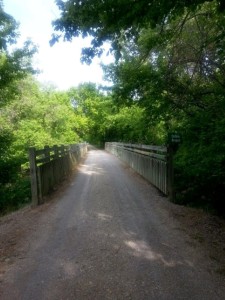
168 77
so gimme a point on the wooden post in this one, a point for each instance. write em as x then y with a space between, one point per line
47 153
40 191
33 176
62 150
56 151
170 173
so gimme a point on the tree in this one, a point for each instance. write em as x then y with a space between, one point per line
41 116
116 21
94 107
174 73
130 124
14 63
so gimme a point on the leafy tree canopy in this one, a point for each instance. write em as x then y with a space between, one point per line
14 63
179 69
93 106
116 21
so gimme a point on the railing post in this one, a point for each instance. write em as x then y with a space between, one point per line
33 176
40 191
47 153
56 151
62 150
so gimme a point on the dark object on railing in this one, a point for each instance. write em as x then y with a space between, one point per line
49 166
174 141
154 163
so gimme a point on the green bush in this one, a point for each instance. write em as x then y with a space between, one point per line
14 195
200 164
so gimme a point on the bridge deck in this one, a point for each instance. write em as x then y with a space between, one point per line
109 235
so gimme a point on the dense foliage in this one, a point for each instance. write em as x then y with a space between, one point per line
15 65
117 21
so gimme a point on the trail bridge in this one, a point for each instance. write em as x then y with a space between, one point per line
49 166
108 235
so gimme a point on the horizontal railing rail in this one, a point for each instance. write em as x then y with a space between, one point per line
159 152
49 153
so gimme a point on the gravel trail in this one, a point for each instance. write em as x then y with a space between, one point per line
109 235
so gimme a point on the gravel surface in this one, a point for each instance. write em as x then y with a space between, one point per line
107 234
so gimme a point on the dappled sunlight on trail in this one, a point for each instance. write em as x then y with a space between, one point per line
143 250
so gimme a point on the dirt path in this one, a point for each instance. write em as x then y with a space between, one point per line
108 235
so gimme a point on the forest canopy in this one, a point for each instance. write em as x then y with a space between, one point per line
118 21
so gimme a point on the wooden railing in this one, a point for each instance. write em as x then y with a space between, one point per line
154 163
49 166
